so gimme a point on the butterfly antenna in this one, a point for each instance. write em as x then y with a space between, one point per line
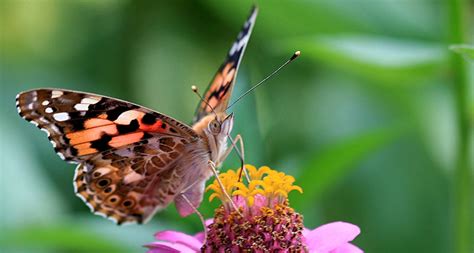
195 90
292 58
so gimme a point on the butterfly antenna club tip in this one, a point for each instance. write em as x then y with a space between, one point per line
194 88
295 55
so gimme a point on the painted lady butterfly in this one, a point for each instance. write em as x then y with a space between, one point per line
134 161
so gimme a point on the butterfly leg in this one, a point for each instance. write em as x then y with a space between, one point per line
238 139
214 170
196 211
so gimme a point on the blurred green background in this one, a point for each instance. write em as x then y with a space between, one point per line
366 119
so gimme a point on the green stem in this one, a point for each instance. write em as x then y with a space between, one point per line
458 22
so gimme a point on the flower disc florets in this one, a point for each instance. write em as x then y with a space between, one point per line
264 221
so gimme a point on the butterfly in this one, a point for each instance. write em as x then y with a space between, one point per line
133 161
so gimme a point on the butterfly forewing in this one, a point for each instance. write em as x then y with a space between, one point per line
220 89
80 125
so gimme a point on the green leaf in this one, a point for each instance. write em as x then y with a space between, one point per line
337 161
380 58
463 49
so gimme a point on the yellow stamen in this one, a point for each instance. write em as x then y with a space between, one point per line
263 181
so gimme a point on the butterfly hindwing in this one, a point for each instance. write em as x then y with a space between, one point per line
130 185
80 125
220 89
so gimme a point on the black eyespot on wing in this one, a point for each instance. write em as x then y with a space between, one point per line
103 182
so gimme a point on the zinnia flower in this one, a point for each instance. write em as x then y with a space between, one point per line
264 221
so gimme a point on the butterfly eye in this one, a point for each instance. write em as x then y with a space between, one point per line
214 127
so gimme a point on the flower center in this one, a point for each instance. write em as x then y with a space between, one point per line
264 222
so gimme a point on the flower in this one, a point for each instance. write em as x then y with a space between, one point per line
262 222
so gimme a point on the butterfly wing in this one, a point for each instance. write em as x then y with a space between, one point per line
220 89
81 125
130 185
128 154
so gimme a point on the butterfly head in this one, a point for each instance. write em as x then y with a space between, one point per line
220 125
215 128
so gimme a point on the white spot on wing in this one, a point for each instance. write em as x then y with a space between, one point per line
76 171
62 116
132 177
53 143
112 219
61 156
49 110
102 170
46 131
78 194
101 214
126 117
81 107
238 45
56 93
90 100
45 103
89 205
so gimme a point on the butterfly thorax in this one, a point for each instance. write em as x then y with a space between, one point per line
214 129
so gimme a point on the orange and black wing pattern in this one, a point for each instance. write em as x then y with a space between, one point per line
219 92
81 125
128 155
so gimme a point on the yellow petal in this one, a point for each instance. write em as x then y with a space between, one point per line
297 188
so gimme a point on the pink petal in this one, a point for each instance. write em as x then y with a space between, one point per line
179 238
306 231
200 236
209 222
347 248
330 236
166 247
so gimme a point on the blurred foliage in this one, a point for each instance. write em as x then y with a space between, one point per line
466 50
364 119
